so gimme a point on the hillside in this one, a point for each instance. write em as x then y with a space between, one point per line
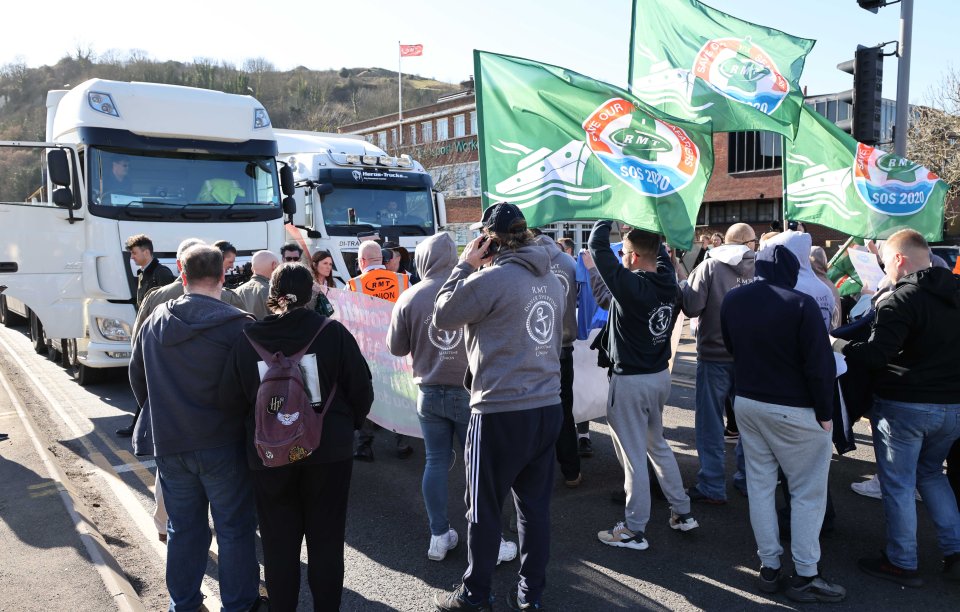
297 99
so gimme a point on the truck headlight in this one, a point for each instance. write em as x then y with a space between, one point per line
113 329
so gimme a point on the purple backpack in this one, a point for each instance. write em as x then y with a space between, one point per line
288 427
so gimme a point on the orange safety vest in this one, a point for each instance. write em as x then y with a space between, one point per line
383 284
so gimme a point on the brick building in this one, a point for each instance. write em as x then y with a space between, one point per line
746 185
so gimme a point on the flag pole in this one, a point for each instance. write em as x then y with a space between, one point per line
783 181
399 97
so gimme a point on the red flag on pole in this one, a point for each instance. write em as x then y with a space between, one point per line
411 50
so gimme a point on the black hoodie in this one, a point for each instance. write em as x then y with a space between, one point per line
781 351
644 309
338 359
915 342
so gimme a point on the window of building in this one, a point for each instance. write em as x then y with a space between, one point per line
393 137
459 126
473 122
382 140
723 214
426 129
754 151
413 135
443 127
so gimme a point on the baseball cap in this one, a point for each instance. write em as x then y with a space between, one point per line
386 254
500 218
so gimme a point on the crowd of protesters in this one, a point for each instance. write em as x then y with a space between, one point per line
490 336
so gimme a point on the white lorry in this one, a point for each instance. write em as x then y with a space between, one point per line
122 159
347 187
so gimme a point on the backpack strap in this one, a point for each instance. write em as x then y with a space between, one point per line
267 355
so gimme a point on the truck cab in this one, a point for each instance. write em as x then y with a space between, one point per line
122 159
348 188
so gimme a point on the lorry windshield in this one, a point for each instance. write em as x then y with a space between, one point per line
411 209
179 180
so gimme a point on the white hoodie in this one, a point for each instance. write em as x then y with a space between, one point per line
799 244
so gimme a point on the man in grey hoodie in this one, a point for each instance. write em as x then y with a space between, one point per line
728 266
568 455
439 364
512 310
199 449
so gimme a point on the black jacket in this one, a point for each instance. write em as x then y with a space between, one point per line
338 359
914 346
643 311
154 275
781 351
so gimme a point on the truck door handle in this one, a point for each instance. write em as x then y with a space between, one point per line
8 266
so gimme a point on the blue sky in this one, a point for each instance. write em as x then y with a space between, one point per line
589 36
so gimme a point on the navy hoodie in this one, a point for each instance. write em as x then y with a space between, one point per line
781 352
175 370
644 309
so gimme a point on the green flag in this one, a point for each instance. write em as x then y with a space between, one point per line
562 146
835 181
690 60
840 270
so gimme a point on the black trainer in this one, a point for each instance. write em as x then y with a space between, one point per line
813 589
951 567
364 452
882 568
585 447
457 600
514 602
125 432
770 580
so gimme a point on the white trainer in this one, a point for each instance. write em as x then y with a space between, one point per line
868 488
508 551
440 545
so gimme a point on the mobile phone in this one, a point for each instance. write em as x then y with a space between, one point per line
491 244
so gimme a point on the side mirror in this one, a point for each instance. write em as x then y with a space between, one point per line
58 167
289 205
63 197
286 181
323 189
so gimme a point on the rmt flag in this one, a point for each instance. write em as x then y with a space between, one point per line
563 146
411 50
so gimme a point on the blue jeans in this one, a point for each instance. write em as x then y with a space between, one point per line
218 479
911 442
444 412
714 388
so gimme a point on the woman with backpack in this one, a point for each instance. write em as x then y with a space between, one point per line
303 386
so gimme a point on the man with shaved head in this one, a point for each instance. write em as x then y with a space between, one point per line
727 266
255 291
913 350
379 282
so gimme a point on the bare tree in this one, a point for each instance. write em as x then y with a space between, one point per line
934 137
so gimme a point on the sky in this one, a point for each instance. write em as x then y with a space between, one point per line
589 36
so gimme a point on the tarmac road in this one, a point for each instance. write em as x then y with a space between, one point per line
44 566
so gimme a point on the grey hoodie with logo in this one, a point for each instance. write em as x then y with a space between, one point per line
439 356
513 313
565 268
728 266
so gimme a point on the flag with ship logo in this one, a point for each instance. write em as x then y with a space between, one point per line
690 60
835 181
562 147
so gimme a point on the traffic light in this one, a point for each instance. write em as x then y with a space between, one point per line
866 95
871 5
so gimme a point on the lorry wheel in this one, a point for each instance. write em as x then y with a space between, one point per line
80 373
7 318
37 338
